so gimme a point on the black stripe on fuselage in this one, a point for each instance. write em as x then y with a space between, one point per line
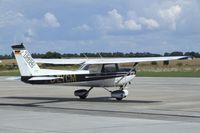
73 78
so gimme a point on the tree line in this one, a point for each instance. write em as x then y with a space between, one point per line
104 54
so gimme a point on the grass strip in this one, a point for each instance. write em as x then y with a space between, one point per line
169 74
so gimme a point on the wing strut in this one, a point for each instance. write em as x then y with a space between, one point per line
132 69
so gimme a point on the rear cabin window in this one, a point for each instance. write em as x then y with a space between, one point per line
110 68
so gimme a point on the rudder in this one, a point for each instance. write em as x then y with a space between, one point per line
27 65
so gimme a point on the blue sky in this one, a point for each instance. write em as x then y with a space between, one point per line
75 26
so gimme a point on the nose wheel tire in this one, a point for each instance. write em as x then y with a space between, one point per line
119 94
119 99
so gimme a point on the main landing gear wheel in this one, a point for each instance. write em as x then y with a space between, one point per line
82 93
83 97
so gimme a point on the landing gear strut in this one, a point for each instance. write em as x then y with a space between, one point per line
82 93
117 94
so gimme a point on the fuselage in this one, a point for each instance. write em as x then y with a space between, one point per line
88 75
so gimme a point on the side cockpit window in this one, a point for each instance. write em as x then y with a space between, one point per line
110 68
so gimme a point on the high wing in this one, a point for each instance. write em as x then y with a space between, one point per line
109 60
134 60
61 61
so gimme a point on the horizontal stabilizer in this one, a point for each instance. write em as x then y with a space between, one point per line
13 78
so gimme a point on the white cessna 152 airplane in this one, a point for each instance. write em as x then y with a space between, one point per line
92 73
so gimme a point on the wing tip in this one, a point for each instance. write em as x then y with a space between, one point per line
186 58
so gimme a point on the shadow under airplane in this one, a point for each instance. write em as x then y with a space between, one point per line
58 100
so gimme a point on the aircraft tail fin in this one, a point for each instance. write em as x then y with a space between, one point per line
27 65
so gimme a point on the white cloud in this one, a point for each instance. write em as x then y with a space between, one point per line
83 27
149 23
132 25
28 35
171 14
115 18
11 18
115 21
51 20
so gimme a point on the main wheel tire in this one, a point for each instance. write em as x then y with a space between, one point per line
82 93
82 97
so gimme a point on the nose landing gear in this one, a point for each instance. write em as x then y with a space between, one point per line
119 94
